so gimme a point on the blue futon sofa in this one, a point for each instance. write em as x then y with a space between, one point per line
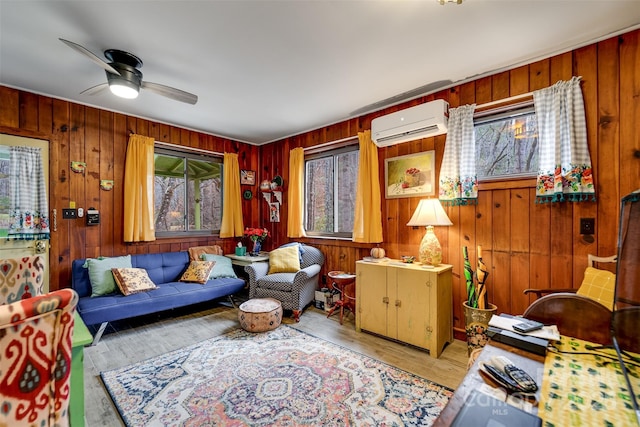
165 270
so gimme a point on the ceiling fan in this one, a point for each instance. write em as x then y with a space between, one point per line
124 78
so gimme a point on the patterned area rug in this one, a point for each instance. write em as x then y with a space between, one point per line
283 377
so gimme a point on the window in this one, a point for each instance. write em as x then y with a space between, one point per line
187 193
506 143
330 192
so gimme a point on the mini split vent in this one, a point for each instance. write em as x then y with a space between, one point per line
421 121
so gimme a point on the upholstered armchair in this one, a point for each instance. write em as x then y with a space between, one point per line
35 359
293 287
21 278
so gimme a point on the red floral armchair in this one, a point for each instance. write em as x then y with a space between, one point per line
35 359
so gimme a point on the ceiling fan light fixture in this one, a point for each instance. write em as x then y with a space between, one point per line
123 89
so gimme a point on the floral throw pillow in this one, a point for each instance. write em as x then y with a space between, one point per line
132 280
198 271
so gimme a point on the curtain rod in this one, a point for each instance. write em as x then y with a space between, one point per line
184 148
505 100
326 144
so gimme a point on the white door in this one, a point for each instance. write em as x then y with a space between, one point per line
21 248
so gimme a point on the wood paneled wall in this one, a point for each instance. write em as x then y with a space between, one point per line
99 138
525 245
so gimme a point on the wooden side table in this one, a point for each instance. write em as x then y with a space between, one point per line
340 282
81 338
244 260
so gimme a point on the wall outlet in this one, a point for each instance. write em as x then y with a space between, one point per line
587 226
69 214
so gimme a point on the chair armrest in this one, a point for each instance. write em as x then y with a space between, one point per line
257 270
310 271
541 292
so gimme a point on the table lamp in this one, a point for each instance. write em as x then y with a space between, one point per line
429 213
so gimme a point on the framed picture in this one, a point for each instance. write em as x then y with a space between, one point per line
411 175
247 177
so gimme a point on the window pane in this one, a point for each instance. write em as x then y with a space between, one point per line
205 195
319 195
507 147
347 167
169 190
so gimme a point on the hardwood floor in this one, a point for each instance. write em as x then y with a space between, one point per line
127 342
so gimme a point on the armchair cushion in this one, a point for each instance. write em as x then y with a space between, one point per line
598 285
284 260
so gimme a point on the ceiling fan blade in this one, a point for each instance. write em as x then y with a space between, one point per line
94 90
171 92
90 55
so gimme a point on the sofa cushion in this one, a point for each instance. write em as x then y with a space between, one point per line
198 271
132 280
100 275
222 268
301 249
284 260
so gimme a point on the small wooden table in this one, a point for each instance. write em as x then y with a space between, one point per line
340 282
244 260
533 364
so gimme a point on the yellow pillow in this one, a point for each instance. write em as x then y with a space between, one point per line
598 285
284 260
198 271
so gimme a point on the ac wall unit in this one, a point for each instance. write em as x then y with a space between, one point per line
421 121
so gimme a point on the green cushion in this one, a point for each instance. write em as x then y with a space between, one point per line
100 274
223 267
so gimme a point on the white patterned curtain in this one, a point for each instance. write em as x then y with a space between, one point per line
29 209
458 177
565 172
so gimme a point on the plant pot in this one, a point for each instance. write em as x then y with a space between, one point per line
476 323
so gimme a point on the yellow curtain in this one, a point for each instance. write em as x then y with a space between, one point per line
367 222
138 190
232 225
295 196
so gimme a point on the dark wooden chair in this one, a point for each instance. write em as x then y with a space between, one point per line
579 315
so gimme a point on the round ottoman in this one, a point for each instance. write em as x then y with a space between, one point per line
260 314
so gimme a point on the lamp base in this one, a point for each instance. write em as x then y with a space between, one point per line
430 249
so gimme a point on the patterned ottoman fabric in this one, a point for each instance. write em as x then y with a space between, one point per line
260 314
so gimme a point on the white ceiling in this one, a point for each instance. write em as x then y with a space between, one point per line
264 70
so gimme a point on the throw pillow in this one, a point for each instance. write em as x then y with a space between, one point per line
198 271
195 252
132 280
222 268
100 276
301 249
598 285
284 260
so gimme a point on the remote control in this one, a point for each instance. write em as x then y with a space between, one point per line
501 378
527 326
523 380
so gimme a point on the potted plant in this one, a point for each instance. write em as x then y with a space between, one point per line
257 236
477 311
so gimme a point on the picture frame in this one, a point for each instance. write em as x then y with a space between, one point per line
411 175
247 177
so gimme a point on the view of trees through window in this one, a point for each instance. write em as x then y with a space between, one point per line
330 190
507 146
188 192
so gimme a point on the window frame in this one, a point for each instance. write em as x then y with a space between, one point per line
494 114
186 153
350 146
